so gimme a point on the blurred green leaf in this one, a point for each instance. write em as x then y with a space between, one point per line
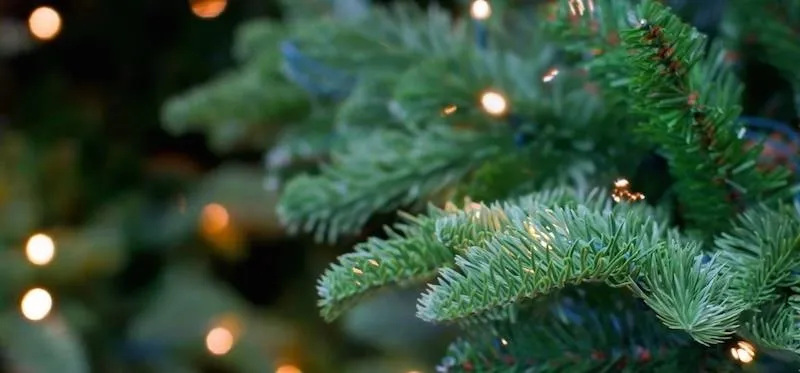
48 346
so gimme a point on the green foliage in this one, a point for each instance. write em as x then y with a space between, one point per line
384 171
772 29
693 120
45 347
585 94
583 333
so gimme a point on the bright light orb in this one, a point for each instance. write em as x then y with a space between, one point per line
480 10
208 9
40 249
219 341
44 23
36 304
494 103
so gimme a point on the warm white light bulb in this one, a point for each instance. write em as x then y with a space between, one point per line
480 10
44 23
40 249
219 341
744 352
36 304
494 103
288 369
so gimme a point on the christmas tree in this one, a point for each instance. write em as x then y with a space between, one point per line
627 184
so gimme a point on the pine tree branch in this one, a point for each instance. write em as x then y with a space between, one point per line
671 88
583 334
542 250
773 26
249 97
776 326
414 251
762 250
689 295
380 173
410 254
538 252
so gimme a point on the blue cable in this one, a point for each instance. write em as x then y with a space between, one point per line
316 78
772 125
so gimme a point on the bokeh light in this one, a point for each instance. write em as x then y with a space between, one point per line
215 218
36 304
44 23
219 341
494 103
208 9
40 249
288 369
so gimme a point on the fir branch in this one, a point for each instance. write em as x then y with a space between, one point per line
595 33
414 250
776 327
540 251
384 171
772 25
694 126
583 335
761 250
249 96
689 295
410 254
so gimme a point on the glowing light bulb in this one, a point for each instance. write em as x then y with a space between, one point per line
215 218
36 304
219 341
494 103
552 74
288 369
744 352
44 23
480 10
40 249
208 9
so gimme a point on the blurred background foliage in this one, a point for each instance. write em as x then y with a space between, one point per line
154 249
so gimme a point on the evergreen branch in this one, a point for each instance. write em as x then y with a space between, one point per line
386 170
695 127
461 80
385 43
761 250
541 251
689 295
246 97
410 254
258 39
776 327
597 33
583 335
773 26
414 250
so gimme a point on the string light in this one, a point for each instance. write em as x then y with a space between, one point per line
208 9
44 23
219 341
480 10
36 304
622 192
448 110
547 78
578 7
744 352
288 369
494 103
40 249
215 218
